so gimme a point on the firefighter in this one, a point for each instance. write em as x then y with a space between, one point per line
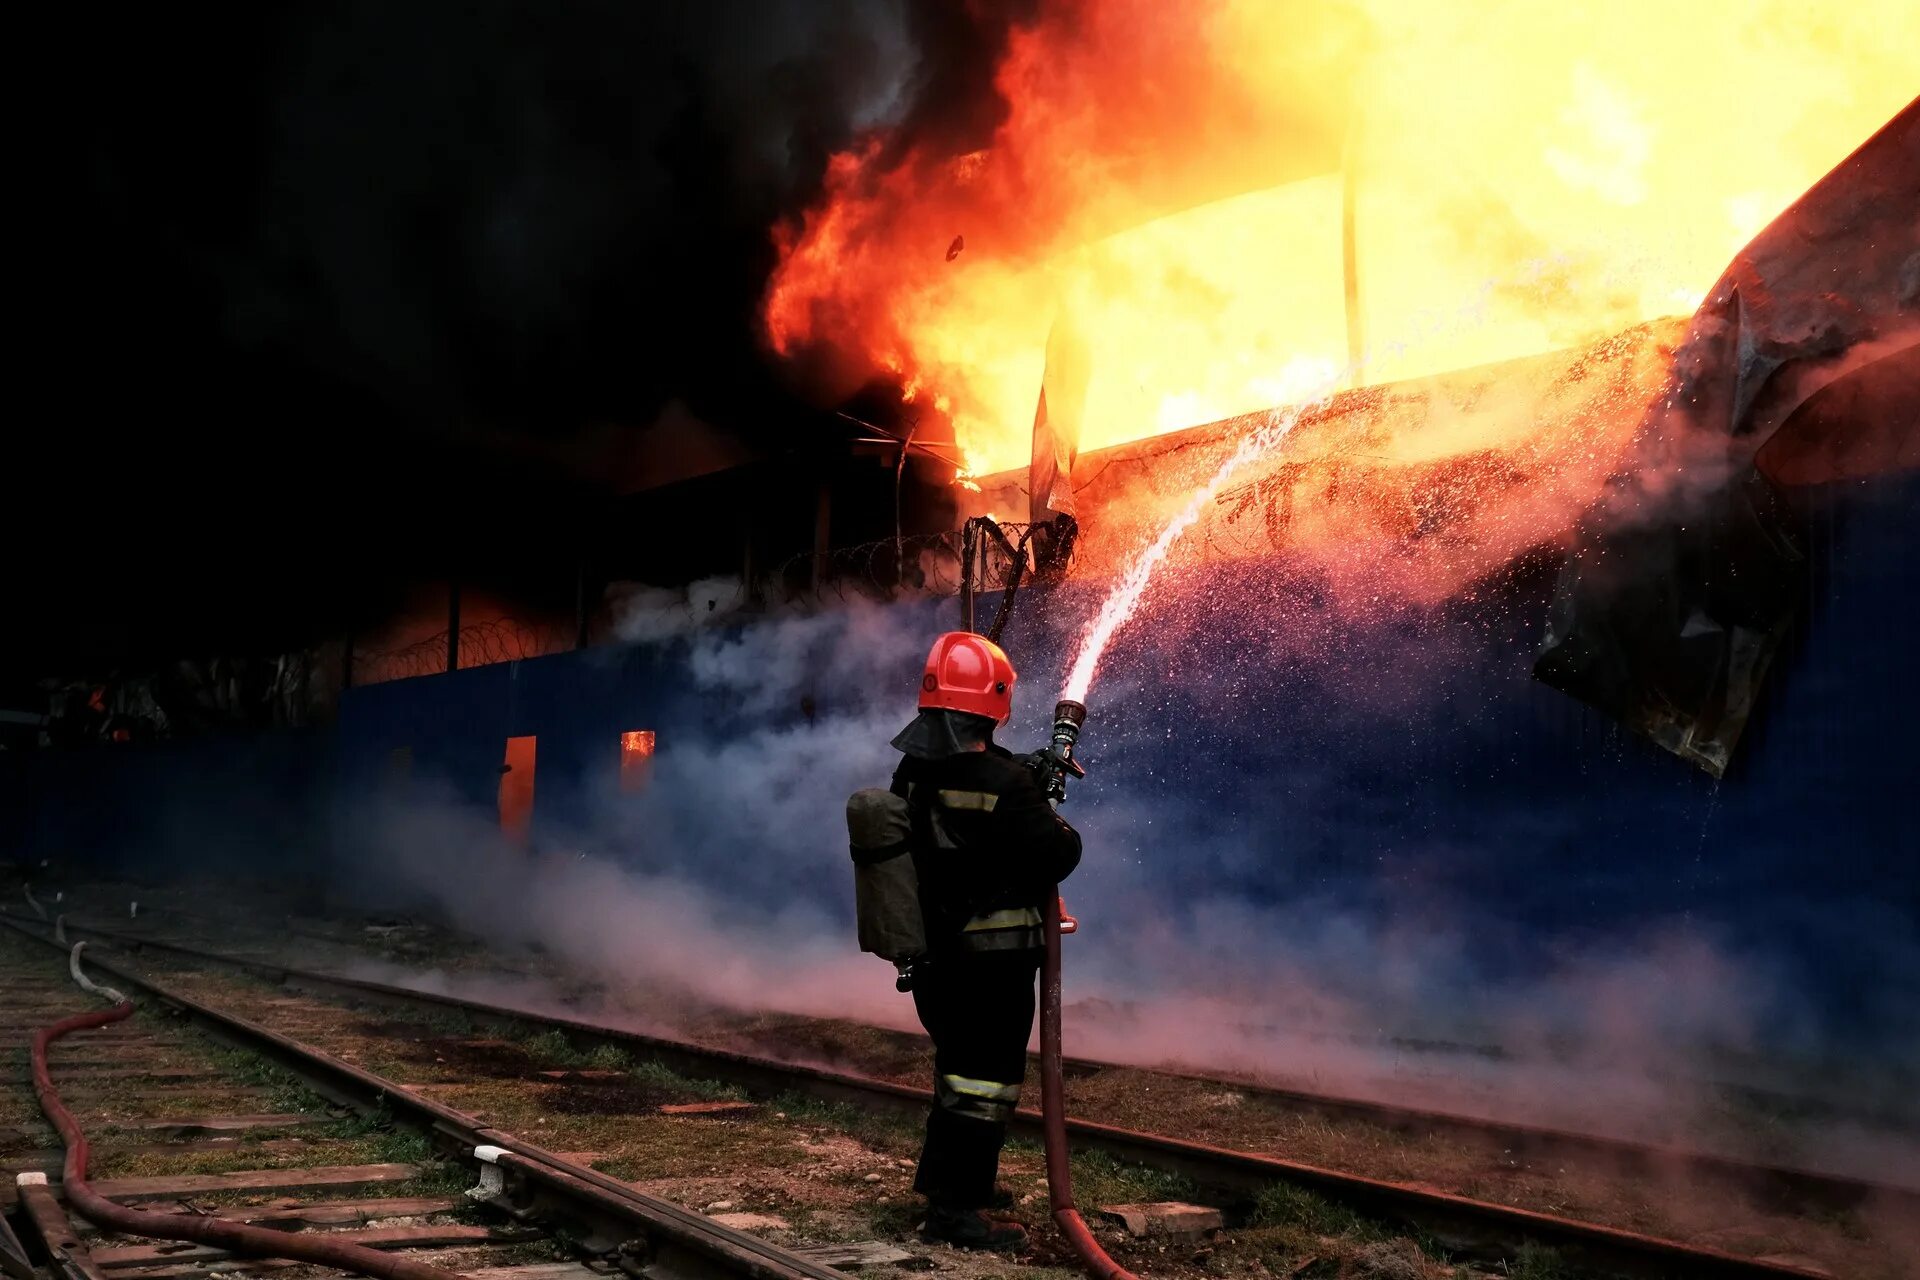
988 849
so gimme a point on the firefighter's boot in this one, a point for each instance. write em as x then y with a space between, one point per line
973 1229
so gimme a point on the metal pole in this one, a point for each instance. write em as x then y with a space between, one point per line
969 541
748 588
1349 247
899 474
453 625
580 606
822 533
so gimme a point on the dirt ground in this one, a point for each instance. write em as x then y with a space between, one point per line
794 1170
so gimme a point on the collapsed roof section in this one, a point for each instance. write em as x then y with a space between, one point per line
1801 368
1659 456
1407 490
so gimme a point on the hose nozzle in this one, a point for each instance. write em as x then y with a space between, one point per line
1056 760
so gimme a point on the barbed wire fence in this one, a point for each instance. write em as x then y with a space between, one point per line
481 644
921 565
928 566
284 690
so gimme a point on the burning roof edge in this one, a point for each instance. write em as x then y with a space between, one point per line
1668 613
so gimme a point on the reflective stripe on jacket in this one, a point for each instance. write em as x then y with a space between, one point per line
988 850
1008 929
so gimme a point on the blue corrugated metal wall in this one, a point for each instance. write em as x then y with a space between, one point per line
1250 749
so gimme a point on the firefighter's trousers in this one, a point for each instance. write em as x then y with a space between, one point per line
978 1007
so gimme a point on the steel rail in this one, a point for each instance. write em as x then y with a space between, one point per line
1773 1183
645 1232
1783 1182
243 1239
1474 1229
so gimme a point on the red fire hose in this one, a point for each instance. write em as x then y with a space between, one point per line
233 1236
1053 1107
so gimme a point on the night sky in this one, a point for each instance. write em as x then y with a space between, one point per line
324 298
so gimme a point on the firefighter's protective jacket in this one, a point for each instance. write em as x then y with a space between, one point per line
988 849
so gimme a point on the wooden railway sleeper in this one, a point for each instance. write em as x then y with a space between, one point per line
13 1254
68 1257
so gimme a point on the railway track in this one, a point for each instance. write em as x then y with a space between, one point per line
1783 1185
1780 1184
1466 1227
181 1088
1775 1182
1840 1102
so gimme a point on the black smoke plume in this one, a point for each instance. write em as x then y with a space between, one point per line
320 291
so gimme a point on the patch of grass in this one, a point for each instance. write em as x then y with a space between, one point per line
388 1067
823 1227
1845 1221
447 1022
624 1168
648 1148
552 1048
610 1057
380 1138
405 1146
387 1140
1281 1204
109 1103
284 1090
1100 1179
528 1253
148 1164
442 1178
22 1111
654 1072
1536 1262
1294 1231
884 1130
891 1219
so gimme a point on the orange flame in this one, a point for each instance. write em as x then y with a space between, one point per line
1174 177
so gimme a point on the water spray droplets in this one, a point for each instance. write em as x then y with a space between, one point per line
1124 600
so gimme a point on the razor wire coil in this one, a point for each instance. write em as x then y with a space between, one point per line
927 565
481 644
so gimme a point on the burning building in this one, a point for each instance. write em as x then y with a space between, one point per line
1327 787
1245 208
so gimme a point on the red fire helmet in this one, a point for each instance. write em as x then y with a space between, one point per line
968 672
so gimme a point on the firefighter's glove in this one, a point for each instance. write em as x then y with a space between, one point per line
1041 762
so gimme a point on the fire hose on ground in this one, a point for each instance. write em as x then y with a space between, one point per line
235 1237
1058 764
1053 1107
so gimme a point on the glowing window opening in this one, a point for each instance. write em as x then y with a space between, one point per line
516 788
636 758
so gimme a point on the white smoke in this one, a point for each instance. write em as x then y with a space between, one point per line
642 613
726 882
